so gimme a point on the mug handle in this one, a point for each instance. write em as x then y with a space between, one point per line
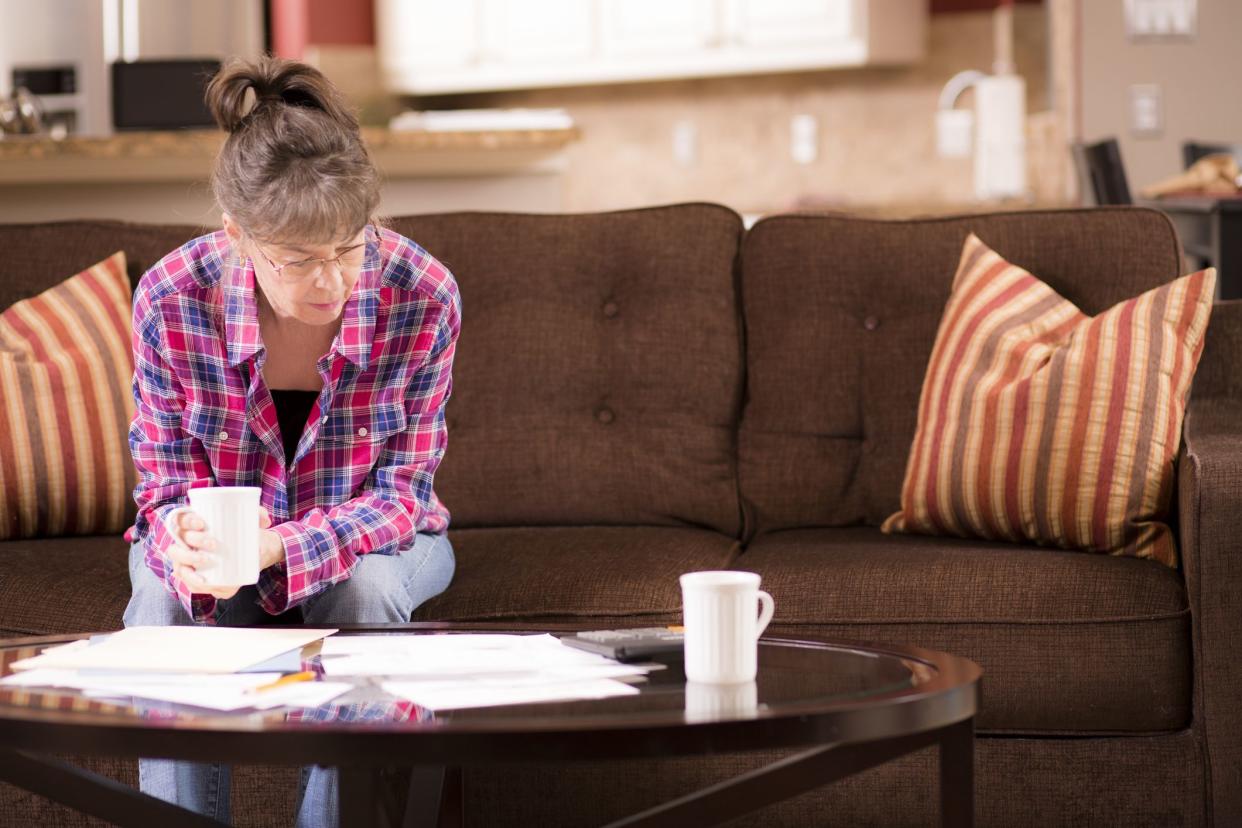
765 616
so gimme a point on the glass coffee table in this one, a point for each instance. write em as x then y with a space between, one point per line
839 708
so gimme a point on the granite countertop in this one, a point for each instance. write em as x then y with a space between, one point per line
187 155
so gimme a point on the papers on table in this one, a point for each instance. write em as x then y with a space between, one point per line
453 695
456 670
462 655
215 692
175 650
202 667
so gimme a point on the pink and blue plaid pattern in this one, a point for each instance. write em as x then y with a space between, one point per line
361 480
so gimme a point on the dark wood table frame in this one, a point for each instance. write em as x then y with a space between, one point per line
835 741
1210 230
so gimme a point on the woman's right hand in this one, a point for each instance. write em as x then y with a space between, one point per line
194 548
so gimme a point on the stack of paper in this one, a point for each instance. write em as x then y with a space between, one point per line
204 667
175 650
196 666
214 692
442 672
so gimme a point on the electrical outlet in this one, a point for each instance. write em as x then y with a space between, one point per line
685 142
804 138
1146 111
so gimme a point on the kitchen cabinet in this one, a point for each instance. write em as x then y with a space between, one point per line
433 47
633 28
417 34
546 32
789 22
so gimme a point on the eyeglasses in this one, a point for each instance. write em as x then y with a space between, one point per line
348 260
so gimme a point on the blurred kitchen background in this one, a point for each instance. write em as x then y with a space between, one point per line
879 107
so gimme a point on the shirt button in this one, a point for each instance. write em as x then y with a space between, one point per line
610 309
871 323
362 432
224 435
605 416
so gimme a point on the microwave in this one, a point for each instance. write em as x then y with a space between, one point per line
65 51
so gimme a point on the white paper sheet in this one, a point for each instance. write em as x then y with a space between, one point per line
103 679
464 656
408 642
213 691
302 694
455 695
177 649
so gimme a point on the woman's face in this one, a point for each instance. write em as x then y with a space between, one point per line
306 282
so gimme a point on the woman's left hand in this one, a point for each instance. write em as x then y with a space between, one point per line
271 545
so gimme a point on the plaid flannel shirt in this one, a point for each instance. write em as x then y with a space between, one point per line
360 481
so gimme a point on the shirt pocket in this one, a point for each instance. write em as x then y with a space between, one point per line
226 439
354 443
363 424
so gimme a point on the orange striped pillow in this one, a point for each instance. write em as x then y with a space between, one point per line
65 406
1040 424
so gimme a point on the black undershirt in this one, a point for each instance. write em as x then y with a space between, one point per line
292 411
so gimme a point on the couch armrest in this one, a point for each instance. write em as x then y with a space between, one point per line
1209 498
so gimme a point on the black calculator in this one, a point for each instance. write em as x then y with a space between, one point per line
639 644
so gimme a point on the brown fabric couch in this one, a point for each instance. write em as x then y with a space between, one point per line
647 392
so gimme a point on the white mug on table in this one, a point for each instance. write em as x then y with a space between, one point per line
723 624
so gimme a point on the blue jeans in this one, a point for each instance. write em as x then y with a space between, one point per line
382 588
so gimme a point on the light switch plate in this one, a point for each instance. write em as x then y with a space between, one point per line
1146 109
1161 18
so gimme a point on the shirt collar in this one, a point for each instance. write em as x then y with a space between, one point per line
241 311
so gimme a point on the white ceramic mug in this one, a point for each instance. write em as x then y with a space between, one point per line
723 625
232 517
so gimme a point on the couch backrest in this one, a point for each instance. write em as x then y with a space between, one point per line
598 375
841 314
599 372
35 257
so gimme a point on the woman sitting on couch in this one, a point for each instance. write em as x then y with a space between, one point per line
304 351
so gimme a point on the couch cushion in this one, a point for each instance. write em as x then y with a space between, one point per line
37 256
608 574
841 314
63 585
1068 642
598 374
1039 424
612 575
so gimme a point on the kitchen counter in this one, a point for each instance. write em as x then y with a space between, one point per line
913 210
187 155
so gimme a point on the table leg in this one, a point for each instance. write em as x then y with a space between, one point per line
434 800
957 775
368 797
777 782
94 794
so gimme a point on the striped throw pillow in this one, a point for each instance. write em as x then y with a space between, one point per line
65 406
1039 424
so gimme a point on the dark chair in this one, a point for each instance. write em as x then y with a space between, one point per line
1192 151
1101 173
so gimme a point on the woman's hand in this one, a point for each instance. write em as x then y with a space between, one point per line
195 547
271 544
